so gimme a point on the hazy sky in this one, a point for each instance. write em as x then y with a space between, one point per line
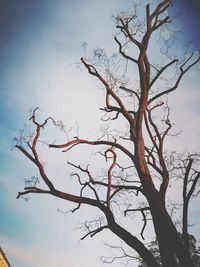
187 13
40 44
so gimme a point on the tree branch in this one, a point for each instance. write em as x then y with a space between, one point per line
100 142
110 175
94 232
93 71
34 189
123 53
142 210
161 71
182 72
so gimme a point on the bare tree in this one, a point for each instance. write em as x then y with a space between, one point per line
138 104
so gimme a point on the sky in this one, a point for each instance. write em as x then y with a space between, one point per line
40 46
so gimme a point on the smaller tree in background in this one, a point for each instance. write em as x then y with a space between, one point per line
193 249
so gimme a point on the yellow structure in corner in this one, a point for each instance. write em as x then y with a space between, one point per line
3 260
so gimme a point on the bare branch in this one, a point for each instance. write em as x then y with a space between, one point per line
159 72
123 53
93 71
130 91
26 153
117 187
100 142
182 72
94 232
29 190
110 175
142 210
124 255
124 27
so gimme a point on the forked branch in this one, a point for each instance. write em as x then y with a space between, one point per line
183 71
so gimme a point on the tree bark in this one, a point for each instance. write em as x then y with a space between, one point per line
172 250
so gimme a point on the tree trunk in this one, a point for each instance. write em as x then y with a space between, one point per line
185 226
173 252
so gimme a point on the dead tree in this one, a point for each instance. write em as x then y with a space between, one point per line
142 144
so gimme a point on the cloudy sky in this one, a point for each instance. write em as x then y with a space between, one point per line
40 46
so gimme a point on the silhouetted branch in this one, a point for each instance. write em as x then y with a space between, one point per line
94 232
100 142
123 53
29 190
182 72
142 210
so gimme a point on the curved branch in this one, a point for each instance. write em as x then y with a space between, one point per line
161 71
182 72
124 27
100 142
123 53
132 241
113 186
142 210
110 175
93 71
130 91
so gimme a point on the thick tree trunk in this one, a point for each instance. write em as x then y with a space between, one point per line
172 250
